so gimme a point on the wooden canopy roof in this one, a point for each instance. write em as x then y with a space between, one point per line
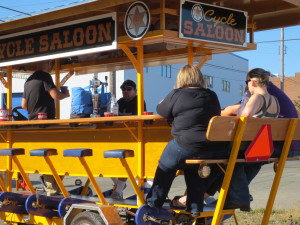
265 14
162 44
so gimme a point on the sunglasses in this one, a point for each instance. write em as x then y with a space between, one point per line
247 81
126 88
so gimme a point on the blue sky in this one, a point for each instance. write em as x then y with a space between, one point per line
33 7
266 56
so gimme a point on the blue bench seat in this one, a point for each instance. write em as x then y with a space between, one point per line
12 151
43 152
78 152
119 153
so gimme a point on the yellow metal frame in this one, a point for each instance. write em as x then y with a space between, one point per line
136 189
279 171
24 175
2 185
93 181
229 170
16 219
138 63
57 177
138 136
239 135
144 140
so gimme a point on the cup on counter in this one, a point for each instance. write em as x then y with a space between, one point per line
148 121
148 113
4 114
42 116
108 114
63 89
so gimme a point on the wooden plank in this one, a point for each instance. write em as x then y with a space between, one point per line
169 11
82 120
224 128
225 161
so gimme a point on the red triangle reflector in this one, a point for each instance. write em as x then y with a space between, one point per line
261 148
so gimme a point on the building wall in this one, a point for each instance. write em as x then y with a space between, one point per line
291 85
160 80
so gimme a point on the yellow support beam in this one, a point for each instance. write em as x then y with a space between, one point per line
24 175
93 181
190 53
133 182
57 83
229 170
279 171
57 177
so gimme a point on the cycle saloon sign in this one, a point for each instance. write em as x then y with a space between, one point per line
200 21
78 37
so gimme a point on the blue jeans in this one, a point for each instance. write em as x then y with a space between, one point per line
244 173
173 159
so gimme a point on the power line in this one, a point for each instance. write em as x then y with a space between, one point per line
294 39
46 9
15 10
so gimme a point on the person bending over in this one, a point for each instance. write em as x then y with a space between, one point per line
38 97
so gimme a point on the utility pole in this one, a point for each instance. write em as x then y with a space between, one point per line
282 60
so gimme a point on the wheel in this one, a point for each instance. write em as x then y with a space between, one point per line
162 215
87 218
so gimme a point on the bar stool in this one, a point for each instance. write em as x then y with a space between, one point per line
81 153
122 154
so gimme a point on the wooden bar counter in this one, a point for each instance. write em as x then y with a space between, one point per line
146 135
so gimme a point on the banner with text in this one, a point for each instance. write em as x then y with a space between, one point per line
200 21
89 35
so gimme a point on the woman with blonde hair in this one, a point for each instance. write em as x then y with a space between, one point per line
191 106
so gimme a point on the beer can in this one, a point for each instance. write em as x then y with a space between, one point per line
4 114
42 116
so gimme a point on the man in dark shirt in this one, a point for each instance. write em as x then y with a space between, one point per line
40 92
128 103
38 97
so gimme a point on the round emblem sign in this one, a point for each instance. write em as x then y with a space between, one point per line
197 13
137 20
